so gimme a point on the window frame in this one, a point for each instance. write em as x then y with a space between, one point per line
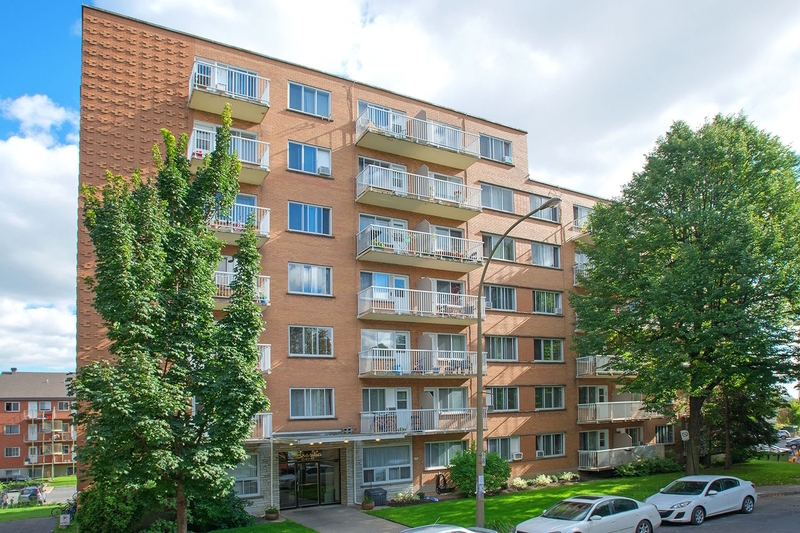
507 148
667 430
490 340
61 406
9 451
489 241
541 342
244 480
386 469
513 443
554 252
448 453
487 293
45 406
327 212
315 340
557 302
329 277
488 188
8 429
306 404
303 87
542 446
9 407
551 214
541 406
318 166
493 393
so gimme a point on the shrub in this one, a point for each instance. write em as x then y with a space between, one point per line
406 496
646 467
501 525
542 480
568 476
225 511
462 471
102 511
162 526
519 483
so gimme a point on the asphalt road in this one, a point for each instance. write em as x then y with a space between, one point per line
33 525
776 513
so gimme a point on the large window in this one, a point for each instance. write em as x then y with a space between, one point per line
65 406
309 100
12 407
547 302
311 341
245 477
11 429
309 218
496 149
308 158
665 434
546 255
12 452
503 398
439 454
377 399
551 213
501 348
45 406
548 350
311 403
550 397
550 445
451 398
387 464
503 446
501 298
310 279
504 251
580 216
494 197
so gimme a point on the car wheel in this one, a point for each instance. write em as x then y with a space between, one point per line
748 505
698 515
644 527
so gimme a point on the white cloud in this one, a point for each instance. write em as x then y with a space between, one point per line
38 116
36 338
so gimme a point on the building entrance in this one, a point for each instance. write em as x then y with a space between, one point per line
309 478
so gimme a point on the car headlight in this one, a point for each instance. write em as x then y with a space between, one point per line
681 505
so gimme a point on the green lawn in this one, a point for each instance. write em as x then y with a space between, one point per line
21 513
63 481
287 526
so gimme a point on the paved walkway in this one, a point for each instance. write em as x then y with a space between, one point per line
341 519
766 491
32 525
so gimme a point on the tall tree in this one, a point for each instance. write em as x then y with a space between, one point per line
694 275
169 413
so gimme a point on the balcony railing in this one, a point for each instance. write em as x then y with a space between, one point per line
613 412
419 421
253 154
224 290
212 85
580 223
607 459
265 361
416 306
233 222
388 362
581 270
596 365
262 430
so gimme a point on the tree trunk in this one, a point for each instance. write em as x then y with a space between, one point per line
180 510
728 458
695 426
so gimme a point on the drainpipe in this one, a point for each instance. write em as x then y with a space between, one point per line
271 473
355 492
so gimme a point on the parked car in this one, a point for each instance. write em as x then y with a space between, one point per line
444 528
693 498
17 478
32 494
594 514
783 434
792 444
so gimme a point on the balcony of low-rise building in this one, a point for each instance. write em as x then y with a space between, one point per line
413 305
224 280
212 85
252 153
265 358
591 413
421 421
596 460
394 132
262 427
400 363
421 248
230 225
591 366
580 272
418 193
579 231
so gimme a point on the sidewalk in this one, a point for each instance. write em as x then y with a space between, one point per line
767 491
341 519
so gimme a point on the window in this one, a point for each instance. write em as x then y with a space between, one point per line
503 446
389 399
12 407
310 279
503 398
386 464
439 454
309 100
636 435
33 451
308 158
382 175
311 403
451 398
494 197
388 120
551 213
665 435
45 406
496 149
547 302
551 444
501 348
580 216
12 452
309 218
505 250
11 429
65 449
545 255
500 298
310 341
245 477
549 397
592 394
593 440
548 350
65 406
233 80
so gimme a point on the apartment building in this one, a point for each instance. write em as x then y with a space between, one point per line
375 213
38 438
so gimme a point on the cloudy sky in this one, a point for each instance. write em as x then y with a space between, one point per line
594 84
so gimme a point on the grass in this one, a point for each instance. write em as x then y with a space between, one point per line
23 513
286 526
518 506
63 481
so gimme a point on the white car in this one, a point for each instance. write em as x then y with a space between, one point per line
594 514
444 528
693 498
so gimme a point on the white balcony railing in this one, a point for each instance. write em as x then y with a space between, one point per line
235 220
224 280
596 365
265 361
263 427
579 271
419 244
249 151
230 81
604 459
392 362
412 421
418 187
418 303
613 411
417 130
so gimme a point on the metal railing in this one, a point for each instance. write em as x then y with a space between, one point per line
394 362
235 220
581 270
418 187
613 411
417 130
230 81
263 427
224 280
580 223
591 365
415 302
419 244
265 361
413 421
250 151
600 459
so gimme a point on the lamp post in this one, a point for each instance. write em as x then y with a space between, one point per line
480 456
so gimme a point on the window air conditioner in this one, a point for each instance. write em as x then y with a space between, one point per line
222 87
558 310
508 159
539 453
489 408
324 171
517 456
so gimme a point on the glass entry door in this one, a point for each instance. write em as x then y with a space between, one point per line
309 483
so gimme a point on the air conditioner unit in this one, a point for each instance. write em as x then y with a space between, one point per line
489 408
509 159
558 310
487 304
539 453
222 87
517 456
324 171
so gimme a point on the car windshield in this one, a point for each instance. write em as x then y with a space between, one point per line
686 487
568 510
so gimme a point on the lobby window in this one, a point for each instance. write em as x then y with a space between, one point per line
310 279
494 197
501 348
504 251
310 341
245 477
309 158
496 149
309 218
386 464
311 403
439 454
549 397
548 350
547 302
503 446
309 100
550 445
545 255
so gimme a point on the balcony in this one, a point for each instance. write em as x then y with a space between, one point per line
579 231
607 459
596 366
392 363
410 305
211 86
421 421
425 140
252 154
581 270
397 189
262 430
223 281
591 413
397 246
230 226
265 359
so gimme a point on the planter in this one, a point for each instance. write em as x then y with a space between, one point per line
367 506
272 516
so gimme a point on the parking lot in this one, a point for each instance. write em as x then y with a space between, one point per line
777 513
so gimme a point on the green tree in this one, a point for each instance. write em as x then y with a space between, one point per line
694 276
463 471
168 414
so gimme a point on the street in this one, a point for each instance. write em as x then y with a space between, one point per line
776 513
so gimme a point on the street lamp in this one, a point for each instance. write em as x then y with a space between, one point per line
480 458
